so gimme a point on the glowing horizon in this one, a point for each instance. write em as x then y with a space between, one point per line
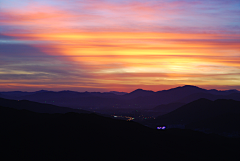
119 45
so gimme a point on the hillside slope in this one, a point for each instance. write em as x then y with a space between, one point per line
31 136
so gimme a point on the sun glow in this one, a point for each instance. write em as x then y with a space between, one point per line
114 45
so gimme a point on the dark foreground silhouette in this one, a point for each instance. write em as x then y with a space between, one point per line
41 136
37 107
219 116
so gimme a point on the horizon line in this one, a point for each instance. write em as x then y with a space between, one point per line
111 91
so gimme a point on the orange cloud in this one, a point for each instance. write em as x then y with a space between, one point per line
122 58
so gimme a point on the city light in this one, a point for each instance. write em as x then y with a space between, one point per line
161 127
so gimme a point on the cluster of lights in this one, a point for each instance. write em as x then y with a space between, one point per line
129 118
132 117
161 127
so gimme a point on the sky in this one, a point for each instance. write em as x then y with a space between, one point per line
119 45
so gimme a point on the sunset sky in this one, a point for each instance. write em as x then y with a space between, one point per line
121 45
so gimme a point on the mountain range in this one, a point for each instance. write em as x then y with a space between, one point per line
138 99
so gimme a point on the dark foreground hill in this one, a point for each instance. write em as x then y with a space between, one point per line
217 116
27 135
168 107
37 107
209 96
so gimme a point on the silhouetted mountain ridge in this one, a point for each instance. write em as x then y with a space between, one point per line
196 96
138 99
195 115
37 107
169 107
